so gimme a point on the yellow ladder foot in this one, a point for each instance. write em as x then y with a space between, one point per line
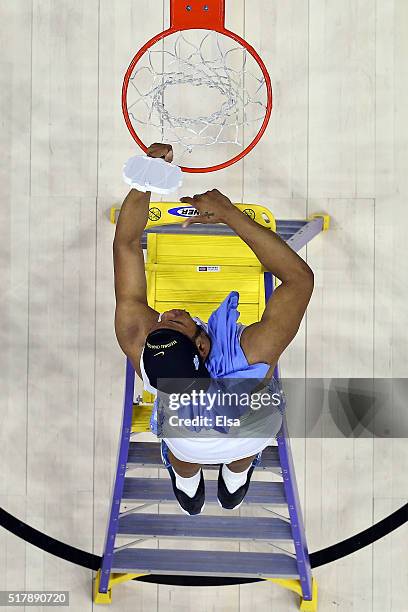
100 598
326 220
106 598
307 605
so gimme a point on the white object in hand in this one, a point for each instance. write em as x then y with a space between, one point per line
152 174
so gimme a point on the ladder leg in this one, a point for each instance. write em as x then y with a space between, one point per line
310 605
106 598
100 598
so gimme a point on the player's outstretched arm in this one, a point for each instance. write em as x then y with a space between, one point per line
265 340
133 316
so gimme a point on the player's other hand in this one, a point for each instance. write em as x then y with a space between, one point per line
158 149
213 207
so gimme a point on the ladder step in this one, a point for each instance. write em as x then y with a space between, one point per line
204 527
204 563
292 225
161 490
287 229
147 454
286 235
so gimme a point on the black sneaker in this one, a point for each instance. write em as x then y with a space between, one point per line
231 501
189 505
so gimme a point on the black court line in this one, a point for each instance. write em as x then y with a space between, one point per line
93 562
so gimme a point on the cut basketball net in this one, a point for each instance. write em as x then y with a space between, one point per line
223 125
198 87
152 174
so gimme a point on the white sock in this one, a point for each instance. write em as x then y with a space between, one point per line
188 485
234 480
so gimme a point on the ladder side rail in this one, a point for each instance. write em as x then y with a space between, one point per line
119 479
306 233
295 510
290 484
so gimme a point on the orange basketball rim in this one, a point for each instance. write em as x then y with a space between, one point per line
199 15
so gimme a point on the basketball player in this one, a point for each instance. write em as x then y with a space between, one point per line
176 344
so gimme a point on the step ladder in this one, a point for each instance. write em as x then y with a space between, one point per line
283 524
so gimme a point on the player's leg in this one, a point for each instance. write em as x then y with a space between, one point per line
241 464
233 482
183 468
188 484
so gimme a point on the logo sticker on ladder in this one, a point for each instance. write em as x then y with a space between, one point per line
183 211
208 268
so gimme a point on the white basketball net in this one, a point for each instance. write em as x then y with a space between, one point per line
157 97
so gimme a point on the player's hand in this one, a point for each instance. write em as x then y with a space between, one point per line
158 149
213 207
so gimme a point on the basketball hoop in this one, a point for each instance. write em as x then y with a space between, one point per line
198 62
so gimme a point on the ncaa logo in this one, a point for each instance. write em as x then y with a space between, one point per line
183 211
